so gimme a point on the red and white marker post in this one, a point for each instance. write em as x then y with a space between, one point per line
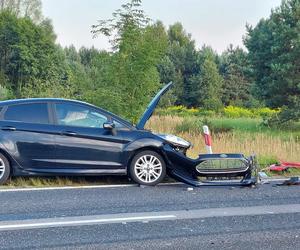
207 139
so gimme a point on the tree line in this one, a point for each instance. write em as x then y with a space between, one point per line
145 55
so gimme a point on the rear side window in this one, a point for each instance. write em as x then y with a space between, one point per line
29 113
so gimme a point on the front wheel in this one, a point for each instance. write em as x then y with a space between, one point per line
148 168
4 169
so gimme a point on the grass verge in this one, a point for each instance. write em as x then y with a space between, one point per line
230 135
25 182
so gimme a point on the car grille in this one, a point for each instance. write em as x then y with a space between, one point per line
222 166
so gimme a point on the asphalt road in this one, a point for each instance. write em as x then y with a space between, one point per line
162 217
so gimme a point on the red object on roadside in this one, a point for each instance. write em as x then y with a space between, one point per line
207 139
284 166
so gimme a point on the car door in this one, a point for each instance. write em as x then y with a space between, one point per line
27 135
82 144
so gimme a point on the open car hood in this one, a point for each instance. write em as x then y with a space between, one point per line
152 105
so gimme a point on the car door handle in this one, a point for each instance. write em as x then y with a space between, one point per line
8 128
68 133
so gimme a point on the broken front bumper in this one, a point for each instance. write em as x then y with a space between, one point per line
212 169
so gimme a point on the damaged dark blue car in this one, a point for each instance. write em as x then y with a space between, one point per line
55 137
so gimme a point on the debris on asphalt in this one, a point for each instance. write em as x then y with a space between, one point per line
190 189
262 175
263 178
292 181
283 166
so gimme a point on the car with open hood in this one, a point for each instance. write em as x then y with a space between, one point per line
55 137
46 136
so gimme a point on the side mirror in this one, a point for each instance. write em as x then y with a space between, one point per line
109 125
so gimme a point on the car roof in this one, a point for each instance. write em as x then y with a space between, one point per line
37 100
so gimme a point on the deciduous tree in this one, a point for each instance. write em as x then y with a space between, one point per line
138 47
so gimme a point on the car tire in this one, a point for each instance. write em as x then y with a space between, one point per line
148 168
4 169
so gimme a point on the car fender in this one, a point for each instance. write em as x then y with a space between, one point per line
141 144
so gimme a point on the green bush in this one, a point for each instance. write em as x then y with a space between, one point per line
265 112
4 93
184 111
190 125
239 112
229 112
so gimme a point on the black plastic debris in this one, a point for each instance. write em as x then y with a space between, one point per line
291 182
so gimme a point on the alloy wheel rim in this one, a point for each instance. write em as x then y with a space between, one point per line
2 168
148 168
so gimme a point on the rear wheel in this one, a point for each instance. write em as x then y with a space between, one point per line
148 168
4 169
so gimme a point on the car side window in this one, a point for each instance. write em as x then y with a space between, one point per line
79 116
118 124
29 113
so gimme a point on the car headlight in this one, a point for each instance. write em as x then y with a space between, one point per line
175 140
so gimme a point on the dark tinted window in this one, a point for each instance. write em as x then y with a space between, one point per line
78 115
30 113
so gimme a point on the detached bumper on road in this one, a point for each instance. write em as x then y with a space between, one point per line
211 169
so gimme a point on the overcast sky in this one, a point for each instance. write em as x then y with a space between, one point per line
213 22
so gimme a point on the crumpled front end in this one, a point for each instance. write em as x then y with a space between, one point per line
211 169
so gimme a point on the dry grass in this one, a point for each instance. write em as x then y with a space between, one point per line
265 145
23 182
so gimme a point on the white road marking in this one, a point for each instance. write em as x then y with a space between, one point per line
149 216
57 223
65 188
3 190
